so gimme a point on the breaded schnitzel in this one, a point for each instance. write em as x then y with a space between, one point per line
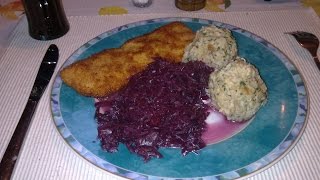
107 71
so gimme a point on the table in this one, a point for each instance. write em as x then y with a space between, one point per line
45 155
11 10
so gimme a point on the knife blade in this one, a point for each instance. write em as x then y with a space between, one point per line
45 72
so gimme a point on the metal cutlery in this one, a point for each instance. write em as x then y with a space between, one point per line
42 80
309 41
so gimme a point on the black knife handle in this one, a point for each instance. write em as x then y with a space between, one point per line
316 60
10 156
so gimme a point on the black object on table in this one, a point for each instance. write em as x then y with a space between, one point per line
46 19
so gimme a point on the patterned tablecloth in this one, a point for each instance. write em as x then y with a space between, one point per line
12 10
45 155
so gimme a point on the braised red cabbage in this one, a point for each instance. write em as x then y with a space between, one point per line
161 106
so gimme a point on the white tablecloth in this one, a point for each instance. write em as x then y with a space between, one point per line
45 154
92 7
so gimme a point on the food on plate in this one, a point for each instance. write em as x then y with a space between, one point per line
162 106
213 45
147 98
237 90
106 72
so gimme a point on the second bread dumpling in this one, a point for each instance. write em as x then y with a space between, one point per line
237 90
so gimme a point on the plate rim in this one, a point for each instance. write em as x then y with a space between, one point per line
113 169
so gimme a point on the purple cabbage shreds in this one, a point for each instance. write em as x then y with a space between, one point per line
161 106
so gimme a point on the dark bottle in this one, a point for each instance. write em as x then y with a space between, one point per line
46 19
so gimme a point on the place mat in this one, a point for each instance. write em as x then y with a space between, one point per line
11 10
45 155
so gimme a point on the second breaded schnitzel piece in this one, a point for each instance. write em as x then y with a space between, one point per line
106 72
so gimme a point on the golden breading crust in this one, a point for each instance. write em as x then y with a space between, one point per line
106 72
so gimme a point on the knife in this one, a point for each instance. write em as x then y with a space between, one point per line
45 72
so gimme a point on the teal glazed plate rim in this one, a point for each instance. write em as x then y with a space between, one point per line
269 136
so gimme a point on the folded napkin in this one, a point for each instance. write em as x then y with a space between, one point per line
45 155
